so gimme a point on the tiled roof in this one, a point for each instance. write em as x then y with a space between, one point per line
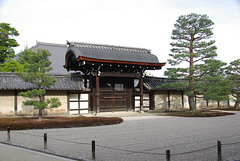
57 58
109 47
154 83
10 81
109 52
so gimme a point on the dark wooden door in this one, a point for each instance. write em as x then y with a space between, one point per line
113 96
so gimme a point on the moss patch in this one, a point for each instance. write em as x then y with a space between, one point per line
201 113
228 109
56 122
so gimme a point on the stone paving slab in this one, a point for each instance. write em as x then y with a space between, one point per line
12 153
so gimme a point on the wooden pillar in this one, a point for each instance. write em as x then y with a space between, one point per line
152 101
15 102
182 99
85 81
169 103
91 104
68 102
141 93
97 94
129 98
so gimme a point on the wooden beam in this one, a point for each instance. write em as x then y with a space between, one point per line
112 74
157 65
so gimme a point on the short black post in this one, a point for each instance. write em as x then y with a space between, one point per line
168 155
219 150
8 134
93 150
45 140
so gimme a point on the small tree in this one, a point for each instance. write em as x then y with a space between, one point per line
233 73
190 46
7 42
36 68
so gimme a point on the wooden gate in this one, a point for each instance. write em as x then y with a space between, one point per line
113 97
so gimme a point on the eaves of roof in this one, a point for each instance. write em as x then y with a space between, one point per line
10 81
154 83
114 53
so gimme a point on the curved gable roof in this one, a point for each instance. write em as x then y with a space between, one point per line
115 53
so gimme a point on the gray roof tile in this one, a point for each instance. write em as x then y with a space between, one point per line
153 83
57 58
109 52
10 81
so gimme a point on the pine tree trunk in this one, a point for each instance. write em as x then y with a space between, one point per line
40 111
236 104
40 114
192 104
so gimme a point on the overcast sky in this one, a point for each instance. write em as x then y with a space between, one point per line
132 23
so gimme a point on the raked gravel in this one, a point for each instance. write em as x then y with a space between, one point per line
141 138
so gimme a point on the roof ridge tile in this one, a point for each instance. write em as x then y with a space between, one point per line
108 47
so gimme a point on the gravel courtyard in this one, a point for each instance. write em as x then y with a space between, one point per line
141 138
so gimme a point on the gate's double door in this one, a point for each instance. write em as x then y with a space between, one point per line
113 97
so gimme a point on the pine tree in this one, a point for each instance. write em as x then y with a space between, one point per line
36 68
11 66
233 73
214 85
7 42
193 46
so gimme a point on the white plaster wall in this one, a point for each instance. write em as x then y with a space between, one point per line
161 100
24 110
223 104
200 102
186 104
6 102
232 101
29 110
175 100
62 95
212 104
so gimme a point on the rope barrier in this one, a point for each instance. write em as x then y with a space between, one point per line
129 151
193 151
28 134
231 143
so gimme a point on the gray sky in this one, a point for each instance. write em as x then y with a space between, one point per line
132 23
